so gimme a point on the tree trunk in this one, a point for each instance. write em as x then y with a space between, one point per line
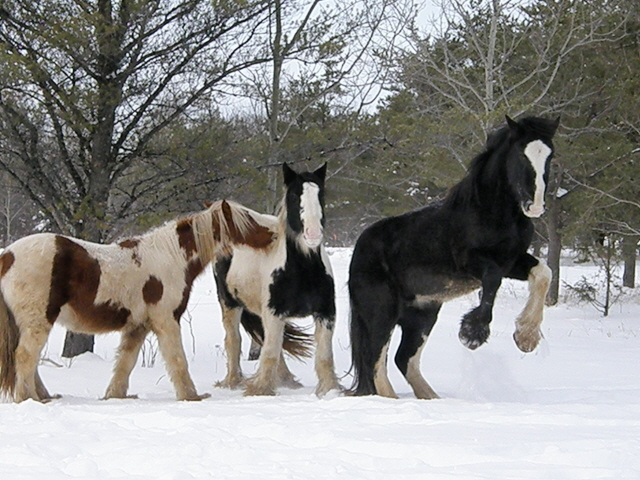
109 38
555 238
629 247
76 344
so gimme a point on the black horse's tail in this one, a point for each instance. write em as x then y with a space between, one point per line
296 342
363 363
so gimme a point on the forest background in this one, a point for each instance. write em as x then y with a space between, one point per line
118 115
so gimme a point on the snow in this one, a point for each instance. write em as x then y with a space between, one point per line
570 410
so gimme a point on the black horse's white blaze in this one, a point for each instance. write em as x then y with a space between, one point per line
404 268
537 152
311 216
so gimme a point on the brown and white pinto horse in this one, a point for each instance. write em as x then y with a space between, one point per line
138 285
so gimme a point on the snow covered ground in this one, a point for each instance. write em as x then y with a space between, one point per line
570 410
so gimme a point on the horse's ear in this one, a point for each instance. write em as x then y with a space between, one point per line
321 172
289 174
556 124
513 125
207 204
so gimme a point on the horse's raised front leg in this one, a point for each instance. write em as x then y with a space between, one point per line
232 347
265 380
130 343
167 329
474 328
324 365
527 334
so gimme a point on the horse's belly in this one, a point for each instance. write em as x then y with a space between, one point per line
443 289
92 319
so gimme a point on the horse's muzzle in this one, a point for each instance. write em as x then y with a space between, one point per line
312 237
532 211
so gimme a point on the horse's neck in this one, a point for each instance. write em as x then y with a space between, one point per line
490 189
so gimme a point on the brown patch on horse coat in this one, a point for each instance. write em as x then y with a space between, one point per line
132 244
260 236
152 290
75 278
186 238
193 269
129 243
257 235
6 260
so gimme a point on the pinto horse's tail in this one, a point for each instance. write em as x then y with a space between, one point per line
363 363
296 342
9 336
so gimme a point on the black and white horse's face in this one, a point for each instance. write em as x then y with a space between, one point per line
304 202
528 169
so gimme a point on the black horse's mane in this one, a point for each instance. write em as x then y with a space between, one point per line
466 190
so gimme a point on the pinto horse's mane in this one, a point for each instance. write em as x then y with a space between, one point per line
466 192
223 221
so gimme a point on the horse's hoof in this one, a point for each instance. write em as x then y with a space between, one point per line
196 398
255 390
472 335
291 383
231 384
325 387
121 397
527 341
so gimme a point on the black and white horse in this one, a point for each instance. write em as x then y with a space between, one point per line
403 268
263 288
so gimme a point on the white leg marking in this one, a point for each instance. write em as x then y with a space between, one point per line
325 369
285 377
380 379
232 348
265 380
126 357
167 329
27 355
527 334
420 387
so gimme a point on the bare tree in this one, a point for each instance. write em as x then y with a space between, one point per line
87 85
320 54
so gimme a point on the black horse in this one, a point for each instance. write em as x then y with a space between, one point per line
403 268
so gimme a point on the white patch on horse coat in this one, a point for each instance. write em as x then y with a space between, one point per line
311 215
381 379
537 152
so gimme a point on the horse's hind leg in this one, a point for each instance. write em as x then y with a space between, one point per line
380 377
527 334
232 347
167 329
374 313
130 343
324 365
27 354
285 377
416 326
